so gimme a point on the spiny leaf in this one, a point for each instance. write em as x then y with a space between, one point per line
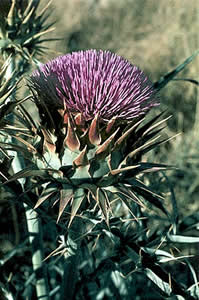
144 139
163 256
125 195
107 142
121 170
102 200
31 3
194 289
66 195
154 145
125 200
28 145
123 189
76 203
127 133
81 174
115 159
47 193
6 89
182 239
81 159
17 148
162 285
152 127
158 85
33 38
8 108
5 166
91 187
28 16
187 79
142 190
142 147
45 8
174 214
151 167
24 116
28 172
146 126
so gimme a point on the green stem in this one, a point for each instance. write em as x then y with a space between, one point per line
33 222
72 262
36 241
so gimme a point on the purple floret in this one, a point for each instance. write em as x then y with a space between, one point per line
92 82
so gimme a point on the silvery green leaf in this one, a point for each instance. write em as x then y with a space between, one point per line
182 239
162 285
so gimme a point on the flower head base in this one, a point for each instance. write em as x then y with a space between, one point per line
94 83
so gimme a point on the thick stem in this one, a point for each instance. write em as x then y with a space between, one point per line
32 219
196 123
72 262
70 277
36 241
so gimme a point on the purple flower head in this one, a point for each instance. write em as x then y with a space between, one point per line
95 82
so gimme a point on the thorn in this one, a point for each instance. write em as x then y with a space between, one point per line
72 140
79 120
94 135
105 145
110 124
81 159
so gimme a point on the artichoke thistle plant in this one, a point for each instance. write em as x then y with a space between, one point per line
92 105
84 171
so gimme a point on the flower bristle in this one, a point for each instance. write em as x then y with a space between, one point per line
95 82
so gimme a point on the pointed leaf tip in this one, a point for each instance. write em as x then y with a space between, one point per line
110 124
79 120
103 203
125 169
128 132
105 145
66 194
72 140
76 203
81 159
48 142
94 135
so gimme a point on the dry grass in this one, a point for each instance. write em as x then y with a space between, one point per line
145 32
